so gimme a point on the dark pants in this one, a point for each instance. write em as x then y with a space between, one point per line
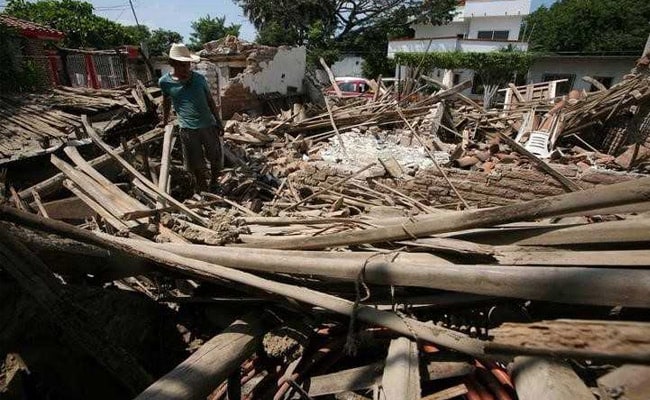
199 144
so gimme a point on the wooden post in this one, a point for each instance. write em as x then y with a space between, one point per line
165 161
202 372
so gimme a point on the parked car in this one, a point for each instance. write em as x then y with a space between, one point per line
351 87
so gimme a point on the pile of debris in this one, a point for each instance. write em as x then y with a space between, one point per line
36 124
397 248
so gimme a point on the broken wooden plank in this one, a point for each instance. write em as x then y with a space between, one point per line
51 185
348 380
136 174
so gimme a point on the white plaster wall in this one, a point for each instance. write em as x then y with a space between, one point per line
421 46
615 67
487 8
429 31
512 24
484 46
348 66
286 69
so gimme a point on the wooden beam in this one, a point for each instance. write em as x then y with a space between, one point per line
401 379
597 286
202 372
564 181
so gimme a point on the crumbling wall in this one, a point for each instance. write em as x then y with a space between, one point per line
210 71
269 70
283 74
504 185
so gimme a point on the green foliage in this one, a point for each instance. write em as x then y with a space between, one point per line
161 40
207 29
494 68
590 26
137 34
76 18
321 44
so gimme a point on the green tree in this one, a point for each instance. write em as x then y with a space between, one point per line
360 26
207 29
161 40
76 18
137 33
590 26
494 69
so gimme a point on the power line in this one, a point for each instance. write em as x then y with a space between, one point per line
134 15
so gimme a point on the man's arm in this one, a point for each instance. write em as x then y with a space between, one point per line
215 111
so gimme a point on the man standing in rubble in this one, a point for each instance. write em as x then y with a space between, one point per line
198 117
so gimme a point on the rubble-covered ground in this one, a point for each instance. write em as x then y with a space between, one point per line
490 273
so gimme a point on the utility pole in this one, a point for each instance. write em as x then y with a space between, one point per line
143 50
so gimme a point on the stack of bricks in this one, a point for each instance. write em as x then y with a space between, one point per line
504 185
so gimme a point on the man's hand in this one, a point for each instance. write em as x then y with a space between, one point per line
161 124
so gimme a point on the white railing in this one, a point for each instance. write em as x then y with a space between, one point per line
450 44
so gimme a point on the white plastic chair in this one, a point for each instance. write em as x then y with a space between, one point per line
538 144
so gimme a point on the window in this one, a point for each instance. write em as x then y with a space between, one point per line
456 79
605 80
562 87
493 35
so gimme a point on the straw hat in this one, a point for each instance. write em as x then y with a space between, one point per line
180 52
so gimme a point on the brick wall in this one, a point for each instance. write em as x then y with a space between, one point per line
504 185
237 98
34 50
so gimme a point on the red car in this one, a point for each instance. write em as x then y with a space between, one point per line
351 87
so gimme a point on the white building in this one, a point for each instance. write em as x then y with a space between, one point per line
348 65
478 26
491 25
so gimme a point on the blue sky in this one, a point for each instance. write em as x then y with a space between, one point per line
176 15
535 4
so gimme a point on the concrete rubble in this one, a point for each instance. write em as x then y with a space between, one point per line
400 246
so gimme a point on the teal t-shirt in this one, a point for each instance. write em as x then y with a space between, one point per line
190 100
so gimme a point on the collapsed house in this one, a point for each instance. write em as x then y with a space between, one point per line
398 247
